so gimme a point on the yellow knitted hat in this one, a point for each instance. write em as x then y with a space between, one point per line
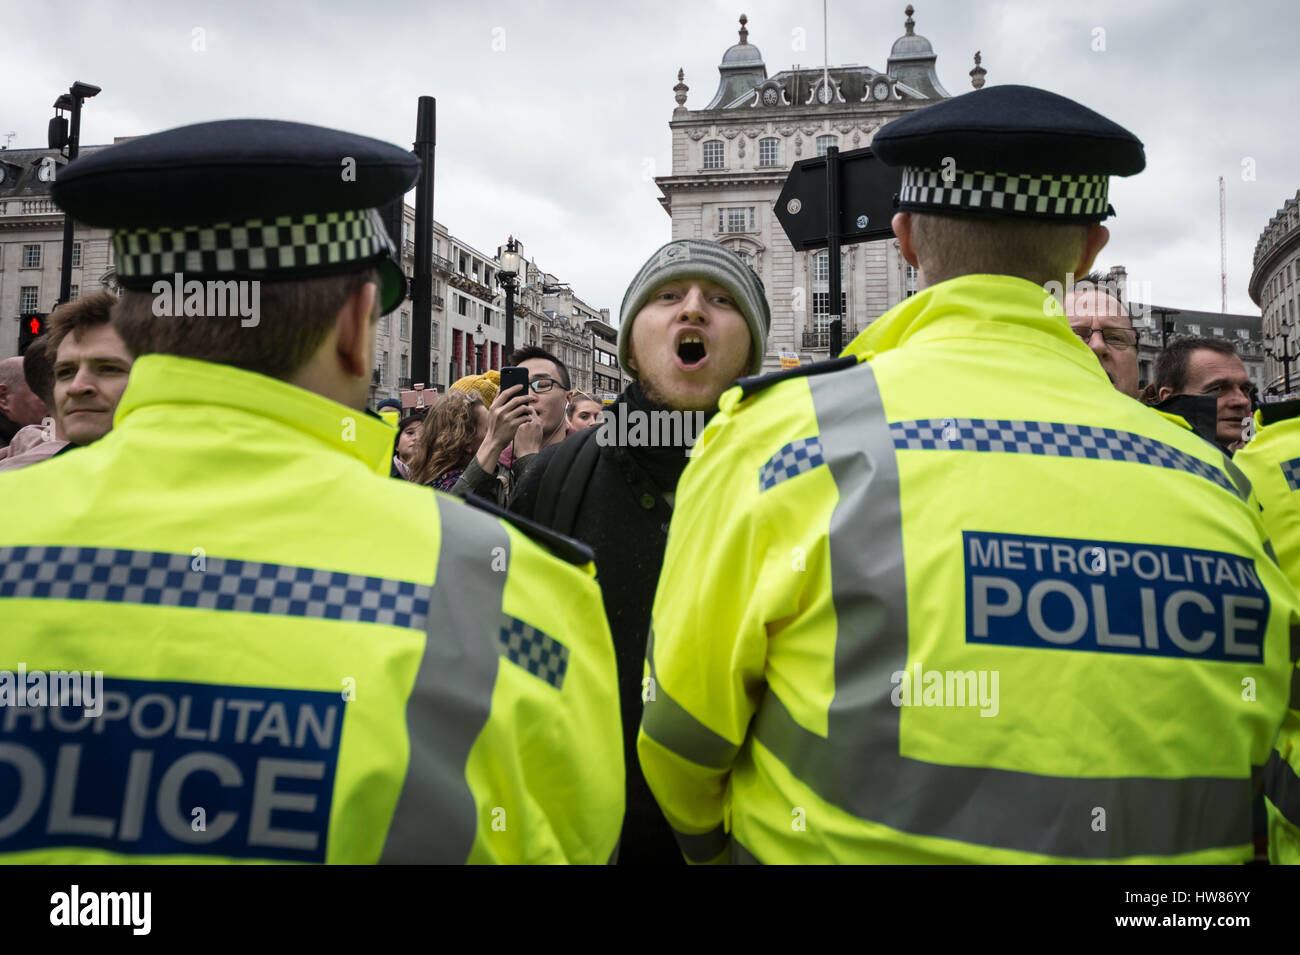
487 385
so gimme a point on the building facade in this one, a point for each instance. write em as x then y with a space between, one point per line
731 159
607 378
31 242
1275 288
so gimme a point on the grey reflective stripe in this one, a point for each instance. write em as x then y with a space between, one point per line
1282 787
1291 472
742 856
857 766
436 817
665 721
162 579
1049 438
703 847
791 461
1239 479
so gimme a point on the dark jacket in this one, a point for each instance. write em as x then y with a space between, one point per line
624 518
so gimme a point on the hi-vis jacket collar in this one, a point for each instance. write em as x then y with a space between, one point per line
158 381
977 306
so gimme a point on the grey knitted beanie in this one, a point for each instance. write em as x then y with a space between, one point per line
699 258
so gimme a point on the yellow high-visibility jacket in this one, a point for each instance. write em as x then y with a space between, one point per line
282 655
952 598
1272 463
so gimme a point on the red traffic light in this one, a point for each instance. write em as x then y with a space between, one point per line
35 326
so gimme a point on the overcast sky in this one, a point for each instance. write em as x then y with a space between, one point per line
550 113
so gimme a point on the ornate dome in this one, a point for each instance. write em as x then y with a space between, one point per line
743 53
909 44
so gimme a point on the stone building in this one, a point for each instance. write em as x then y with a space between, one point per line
731 158
31 242
1275 288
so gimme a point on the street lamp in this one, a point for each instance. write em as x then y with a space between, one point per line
1285 355
508 277
1166 323
479 338
59 137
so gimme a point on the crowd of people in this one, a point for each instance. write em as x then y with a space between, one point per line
647 644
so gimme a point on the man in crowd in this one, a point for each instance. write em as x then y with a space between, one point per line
693 320
1207 367
36 442
91 367
19 406
871 555
1100 319
548 385
236 540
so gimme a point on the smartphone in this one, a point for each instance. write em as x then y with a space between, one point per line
514 375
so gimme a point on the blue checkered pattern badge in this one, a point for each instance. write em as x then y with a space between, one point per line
281 246
1049 438
541 655
169 580
1291 471
792 460
1056 196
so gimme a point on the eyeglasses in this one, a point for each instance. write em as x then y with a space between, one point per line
1120 338
542 385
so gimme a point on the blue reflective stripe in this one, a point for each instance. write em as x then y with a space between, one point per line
1050 438
1291 471
792 460
161 579
541 655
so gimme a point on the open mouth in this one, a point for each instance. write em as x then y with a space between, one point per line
691 352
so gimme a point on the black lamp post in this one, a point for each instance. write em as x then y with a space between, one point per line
1285 355
59 138
479 338
1166 323
508 277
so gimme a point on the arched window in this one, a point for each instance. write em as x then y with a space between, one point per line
713 155
769 151
825 142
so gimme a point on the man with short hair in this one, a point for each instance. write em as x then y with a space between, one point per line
19 406
1100 319
36 442
401 694
693 320
91 367
548 385
1207 366
913 595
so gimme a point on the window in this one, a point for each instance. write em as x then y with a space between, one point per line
462 305
1243 334
713 158
1193 329
31 256
76 256
404 328
736 220
383 369
27 300
821 296
1218 332
405 365
435 338
909 281
825 142
73 292
769 151
462 263
383 324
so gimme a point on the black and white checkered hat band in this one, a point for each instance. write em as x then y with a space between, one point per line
1076 197
291 246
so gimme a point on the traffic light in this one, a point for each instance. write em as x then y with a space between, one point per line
29 327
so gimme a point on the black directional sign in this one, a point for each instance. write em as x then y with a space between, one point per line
866 199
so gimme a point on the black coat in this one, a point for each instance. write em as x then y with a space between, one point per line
624 518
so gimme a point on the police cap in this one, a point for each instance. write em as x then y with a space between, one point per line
1012 151
243 199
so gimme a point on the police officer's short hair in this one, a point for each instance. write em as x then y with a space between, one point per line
1032 249
294 318
1171 366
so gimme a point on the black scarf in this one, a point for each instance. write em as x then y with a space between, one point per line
663 464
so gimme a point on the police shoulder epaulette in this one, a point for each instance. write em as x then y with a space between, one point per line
565 548
1276 411
757 383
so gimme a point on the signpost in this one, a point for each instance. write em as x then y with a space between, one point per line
836 200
